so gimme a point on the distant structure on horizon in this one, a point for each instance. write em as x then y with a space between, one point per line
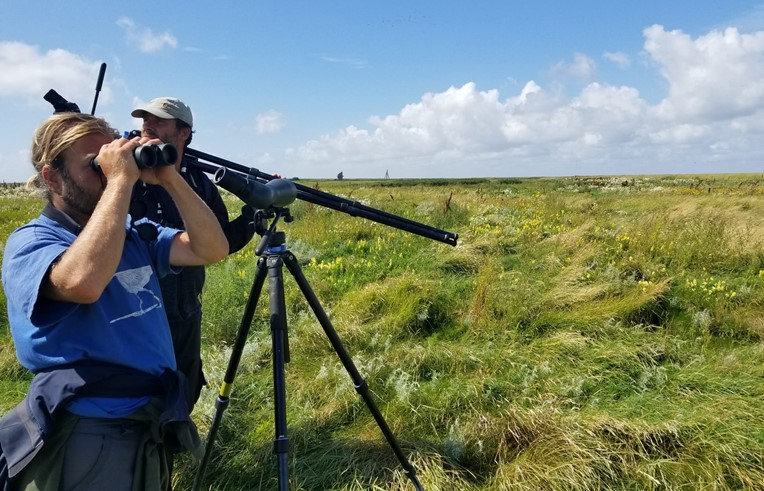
387 175
340 176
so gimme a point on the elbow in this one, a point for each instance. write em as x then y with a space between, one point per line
87 296
217 247
82 292
86 291
215 252
222 250
198 251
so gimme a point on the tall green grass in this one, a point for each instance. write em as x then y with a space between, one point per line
585 334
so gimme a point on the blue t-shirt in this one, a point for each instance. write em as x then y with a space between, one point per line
126 326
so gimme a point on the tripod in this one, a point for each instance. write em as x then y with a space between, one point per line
272 255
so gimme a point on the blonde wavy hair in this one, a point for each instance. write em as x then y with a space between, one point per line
56 134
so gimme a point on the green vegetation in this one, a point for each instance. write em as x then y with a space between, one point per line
586 334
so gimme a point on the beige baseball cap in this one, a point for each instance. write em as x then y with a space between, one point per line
166 108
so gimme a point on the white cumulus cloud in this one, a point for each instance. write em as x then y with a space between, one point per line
146 40
26 72
620 58
714 76
713 112
269 122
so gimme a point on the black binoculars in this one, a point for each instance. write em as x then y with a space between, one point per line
150 156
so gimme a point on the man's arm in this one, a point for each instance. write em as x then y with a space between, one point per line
202 241
82 272
238 231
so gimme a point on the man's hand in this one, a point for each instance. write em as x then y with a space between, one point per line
160 174
116 160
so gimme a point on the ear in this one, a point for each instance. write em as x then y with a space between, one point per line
52 179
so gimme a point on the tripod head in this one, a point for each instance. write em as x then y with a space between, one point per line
270 237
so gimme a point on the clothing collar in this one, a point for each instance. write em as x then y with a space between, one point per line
62 219
66 221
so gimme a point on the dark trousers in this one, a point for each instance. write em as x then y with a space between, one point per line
101 454
91 453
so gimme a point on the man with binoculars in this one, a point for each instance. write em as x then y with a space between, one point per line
87 317
170 120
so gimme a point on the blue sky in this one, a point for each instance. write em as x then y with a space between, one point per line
411 88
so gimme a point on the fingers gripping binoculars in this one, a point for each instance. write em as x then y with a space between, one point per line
150 156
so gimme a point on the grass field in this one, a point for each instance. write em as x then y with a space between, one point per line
587 333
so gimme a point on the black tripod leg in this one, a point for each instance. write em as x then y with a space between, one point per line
280 343
360 384
221 404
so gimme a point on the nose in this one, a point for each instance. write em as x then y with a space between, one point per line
147 127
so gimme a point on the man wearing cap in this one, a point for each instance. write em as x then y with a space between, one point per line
86 315
170 120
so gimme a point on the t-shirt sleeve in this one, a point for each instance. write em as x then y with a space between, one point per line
28 256
160 251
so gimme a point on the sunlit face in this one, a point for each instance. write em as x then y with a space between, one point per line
165 129
79 186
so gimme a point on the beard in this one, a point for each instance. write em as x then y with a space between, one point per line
80 202
169 136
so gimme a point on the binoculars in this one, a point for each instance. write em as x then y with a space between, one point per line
150 156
